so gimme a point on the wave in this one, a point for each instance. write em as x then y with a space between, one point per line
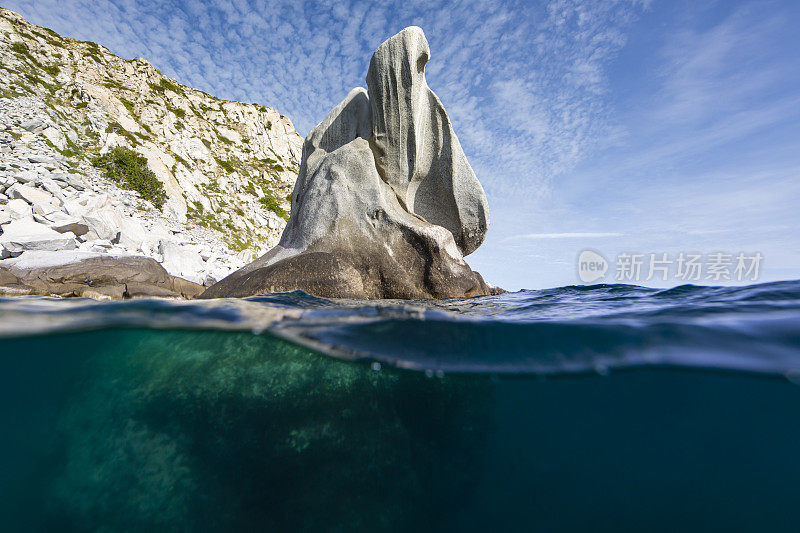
569 329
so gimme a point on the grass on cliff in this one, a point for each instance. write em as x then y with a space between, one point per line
274 205
129 170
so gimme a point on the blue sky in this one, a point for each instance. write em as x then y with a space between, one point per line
621 126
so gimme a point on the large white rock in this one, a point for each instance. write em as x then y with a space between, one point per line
103 223
73 225
75 208
131 233
416 150
27 176
25 234
18 209
29 194
45 259
53 188
179 261
56 137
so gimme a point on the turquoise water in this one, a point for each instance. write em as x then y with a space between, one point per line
605 408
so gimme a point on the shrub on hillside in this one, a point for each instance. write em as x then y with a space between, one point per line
129 170
273 204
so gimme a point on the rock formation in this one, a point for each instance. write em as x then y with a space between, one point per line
385 204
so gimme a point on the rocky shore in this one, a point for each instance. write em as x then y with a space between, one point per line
226 170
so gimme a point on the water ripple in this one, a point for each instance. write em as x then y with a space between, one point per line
569 329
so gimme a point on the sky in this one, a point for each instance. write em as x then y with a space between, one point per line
632 128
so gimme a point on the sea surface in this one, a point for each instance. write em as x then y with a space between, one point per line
602 408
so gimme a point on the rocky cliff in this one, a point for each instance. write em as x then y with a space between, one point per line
226 168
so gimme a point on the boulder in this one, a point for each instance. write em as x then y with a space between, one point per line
18 209
29 194
90 275
53 188
72 225
103 223
27 176
385 204
179 261
25 234
35 124
131 233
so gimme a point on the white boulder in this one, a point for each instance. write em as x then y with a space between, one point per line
18 209
25 234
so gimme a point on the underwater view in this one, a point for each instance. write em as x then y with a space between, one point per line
607 407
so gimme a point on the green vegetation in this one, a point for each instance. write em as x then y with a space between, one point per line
182 161
20 48
92 51
47 39
10 93
223 138
129 170
273 204
81 105
128 105
165 85
72 150
115 127
226 165
113 84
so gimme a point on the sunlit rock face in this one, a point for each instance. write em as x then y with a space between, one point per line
416 150
385 204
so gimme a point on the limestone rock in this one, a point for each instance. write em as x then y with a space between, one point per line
131 233
103 223
385 205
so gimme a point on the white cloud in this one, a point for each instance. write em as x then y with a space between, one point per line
523 81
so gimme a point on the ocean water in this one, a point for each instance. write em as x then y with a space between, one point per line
603 408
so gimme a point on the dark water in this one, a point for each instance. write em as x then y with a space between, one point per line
611 408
